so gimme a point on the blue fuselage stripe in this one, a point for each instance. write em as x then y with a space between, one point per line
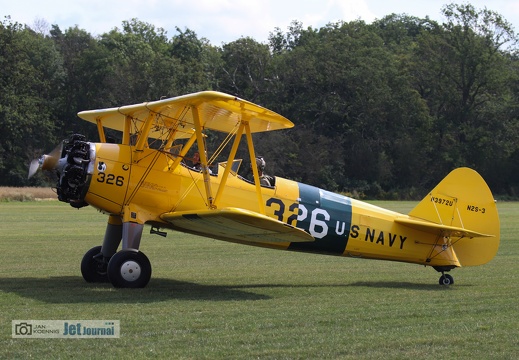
326 216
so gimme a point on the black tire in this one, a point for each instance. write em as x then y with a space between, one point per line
446 279
129 268
92 269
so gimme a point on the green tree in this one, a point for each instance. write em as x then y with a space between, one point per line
348 93
86 71
198 59
145 65
133 55
245 64
462 70
30 93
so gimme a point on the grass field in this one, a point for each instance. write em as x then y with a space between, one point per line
210 300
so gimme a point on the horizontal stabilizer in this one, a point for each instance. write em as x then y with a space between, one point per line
234 224
445 230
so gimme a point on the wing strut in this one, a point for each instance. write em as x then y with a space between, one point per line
203 156
183 152
230 159
127 129
252 154
100 130
143 136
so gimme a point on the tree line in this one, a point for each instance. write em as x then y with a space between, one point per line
382 110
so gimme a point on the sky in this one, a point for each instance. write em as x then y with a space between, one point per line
224 21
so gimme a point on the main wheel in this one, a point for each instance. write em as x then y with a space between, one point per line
446 279
129 268
93 266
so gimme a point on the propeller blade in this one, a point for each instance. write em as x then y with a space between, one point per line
46 162
56 152
33 168
50 161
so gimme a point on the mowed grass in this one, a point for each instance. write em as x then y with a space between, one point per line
214 300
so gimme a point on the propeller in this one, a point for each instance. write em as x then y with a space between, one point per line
46 162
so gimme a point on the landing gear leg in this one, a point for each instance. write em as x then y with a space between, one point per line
95 262
130 268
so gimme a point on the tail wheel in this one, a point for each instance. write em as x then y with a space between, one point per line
446 279
93 266
129 268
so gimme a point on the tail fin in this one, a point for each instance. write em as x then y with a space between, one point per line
463 200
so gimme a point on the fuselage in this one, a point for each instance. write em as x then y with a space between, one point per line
149 186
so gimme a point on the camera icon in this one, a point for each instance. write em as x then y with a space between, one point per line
23 328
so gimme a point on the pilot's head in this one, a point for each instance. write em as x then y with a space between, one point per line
260 163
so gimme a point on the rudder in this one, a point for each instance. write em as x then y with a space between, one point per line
463 199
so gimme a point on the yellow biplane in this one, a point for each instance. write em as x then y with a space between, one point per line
147 179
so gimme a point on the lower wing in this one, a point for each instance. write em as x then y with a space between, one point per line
236 224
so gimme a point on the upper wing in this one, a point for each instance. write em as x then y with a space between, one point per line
235 224
216 110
